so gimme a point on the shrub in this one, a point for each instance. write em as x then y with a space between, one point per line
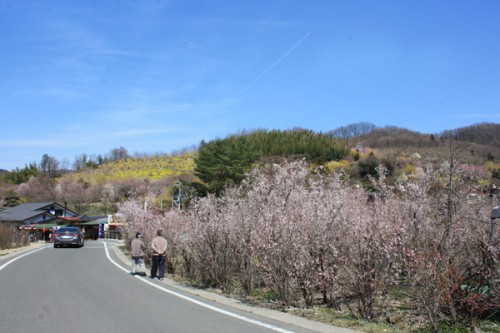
10 237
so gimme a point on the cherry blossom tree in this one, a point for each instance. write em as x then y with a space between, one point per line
445 243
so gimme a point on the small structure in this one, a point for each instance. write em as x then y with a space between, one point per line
38 218
107 226
37 213
93 226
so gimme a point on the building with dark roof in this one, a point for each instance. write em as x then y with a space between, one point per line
36 213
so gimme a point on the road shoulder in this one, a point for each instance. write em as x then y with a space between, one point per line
7 253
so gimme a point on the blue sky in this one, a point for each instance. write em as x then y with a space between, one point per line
158 76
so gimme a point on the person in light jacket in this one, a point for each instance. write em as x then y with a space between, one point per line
137 253
159 249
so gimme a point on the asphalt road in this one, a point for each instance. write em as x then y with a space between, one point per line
89 290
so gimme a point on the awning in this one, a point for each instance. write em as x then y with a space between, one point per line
96 222
49 225
40 226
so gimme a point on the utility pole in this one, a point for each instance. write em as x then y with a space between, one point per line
495 214
179 197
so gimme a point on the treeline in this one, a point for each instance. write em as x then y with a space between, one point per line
50 166
352 130
484 133
314 147
19 176
487 134
391 136
480 141
214 165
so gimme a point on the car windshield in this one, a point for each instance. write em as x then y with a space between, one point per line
69 230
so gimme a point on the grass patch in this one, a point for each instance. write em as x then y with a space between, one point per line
264 295
344 319
483 326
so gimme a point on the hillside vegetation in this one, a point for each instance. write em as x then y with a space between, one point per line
98 184
225 162
478 143
152 168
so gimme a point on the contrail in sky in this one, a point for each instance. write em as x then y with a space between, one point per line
274 64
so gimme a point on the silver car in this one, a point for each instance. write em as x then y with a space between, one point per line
70 236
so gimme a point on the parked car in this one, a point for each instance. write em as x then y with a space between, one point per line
70 236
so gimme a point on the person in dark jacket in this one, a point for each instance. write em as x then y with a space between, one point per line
137 253
159 249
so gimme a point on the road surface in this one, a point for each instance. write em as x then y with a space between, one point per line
89 290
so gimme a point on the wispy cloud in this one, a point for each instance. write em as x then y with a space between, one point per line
71 60
270 68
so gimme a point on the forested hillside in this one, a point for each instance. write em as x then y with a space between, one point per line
224 162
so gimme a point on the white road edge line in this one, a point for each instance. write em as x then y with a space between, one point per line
192 300
23 255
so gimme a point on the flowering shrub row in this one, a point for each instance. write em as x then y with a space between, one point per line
314 237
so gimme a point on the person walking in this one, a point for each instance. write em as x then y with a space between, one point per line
159 248
137 252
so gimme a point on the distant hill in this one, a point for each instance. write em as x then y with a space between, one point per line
484 134
394 137
400 149
478 143
152 168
